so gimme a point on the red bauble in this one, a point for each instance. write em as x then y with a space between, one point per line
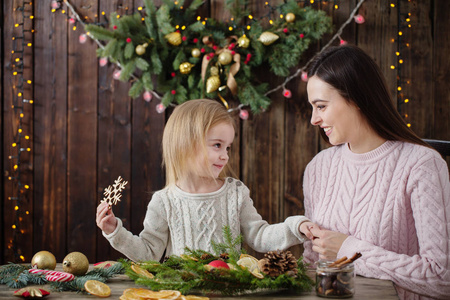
219 264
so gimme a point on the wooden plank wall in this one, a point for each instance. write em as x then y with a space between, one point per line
86 131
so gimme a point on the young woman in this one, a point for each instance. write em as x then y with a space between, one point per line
199 199
380 190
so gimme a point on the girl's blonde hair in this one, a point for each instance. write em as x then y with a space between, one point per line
185 135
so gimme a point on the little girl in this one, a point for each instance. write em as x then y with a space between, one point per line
199 200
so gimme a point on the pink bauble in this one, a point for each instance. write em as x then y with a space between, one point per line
359 19
116 75
243 114
55 4
103 61
219 264
287 93
148 96
82 38
304 76
160 108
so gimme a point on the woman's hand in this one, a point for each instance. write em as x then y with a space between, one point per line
305 228
105 219
326 242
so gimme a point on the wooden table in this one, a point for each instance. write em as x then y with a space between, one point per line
365 288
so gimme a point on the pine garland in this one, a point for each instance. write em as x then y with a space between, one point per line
163 56
187 273
17 276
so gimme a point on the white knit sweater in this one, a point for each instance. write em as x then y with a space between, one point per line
394 203
176 219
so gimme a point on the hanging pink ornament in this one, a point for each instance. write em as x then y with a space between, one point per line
359 19
83 38
342 42
71 20
116 75
55 4
243 114
304 76
148 96
287 93
103 61
160 108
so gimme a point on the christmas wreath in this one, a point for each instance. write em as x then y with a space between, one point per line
172 53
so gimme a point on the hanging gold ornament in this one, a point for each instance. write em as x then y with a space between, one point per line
225 58
290 17
185 68
214 71
173 38
195 52
140 49
212 84
243 42
44 260
268 38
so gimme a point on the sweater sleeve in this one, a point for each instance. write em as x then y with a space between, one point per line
427 273
263 237
151 242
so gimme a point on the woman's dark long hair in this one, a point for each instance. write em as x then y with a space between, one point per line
357 78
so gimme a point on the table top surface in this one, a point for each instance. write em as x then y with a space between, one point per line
365 288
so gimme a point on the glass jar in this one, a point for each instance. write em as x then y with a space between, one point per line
332 282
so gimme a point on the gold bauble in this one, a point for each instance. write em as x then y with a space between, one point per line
214 71
185 68
268 38
243 42
173 38
212 84
225 58
75 263
290 17
44 260
140 49
195 52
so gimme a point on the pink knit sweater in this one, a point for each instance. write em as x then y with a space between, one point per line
393 203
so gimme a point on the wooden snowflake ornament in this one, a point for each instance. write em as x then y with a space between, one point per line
113 193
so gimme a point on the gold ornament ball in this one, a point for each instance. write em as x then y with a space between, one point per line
76 263
44 260
185 68
140 49
243 42
195 52
225 58
290 17
214 71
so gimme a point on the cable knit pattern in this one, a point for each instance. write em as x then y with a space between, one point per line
394 204
176 219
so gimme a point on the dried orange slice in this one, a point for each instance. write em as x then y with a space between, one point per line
148 294
129 294
174 296
248 262
97 288
140 271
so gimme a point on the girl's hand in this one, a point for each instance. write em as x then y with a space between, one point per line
105 219
327 243
305 228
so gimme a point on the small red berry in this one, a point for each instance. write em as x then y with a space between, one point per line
173 92
128 40
302 35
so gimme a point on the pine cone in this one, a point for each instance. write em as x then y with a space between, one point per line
276 263
224 256
206 256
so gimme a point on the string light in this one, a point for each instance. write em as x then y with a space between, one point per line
21 39
403 22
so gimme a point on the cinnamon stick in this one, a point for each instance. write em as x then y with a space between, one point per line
333 264
350 260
